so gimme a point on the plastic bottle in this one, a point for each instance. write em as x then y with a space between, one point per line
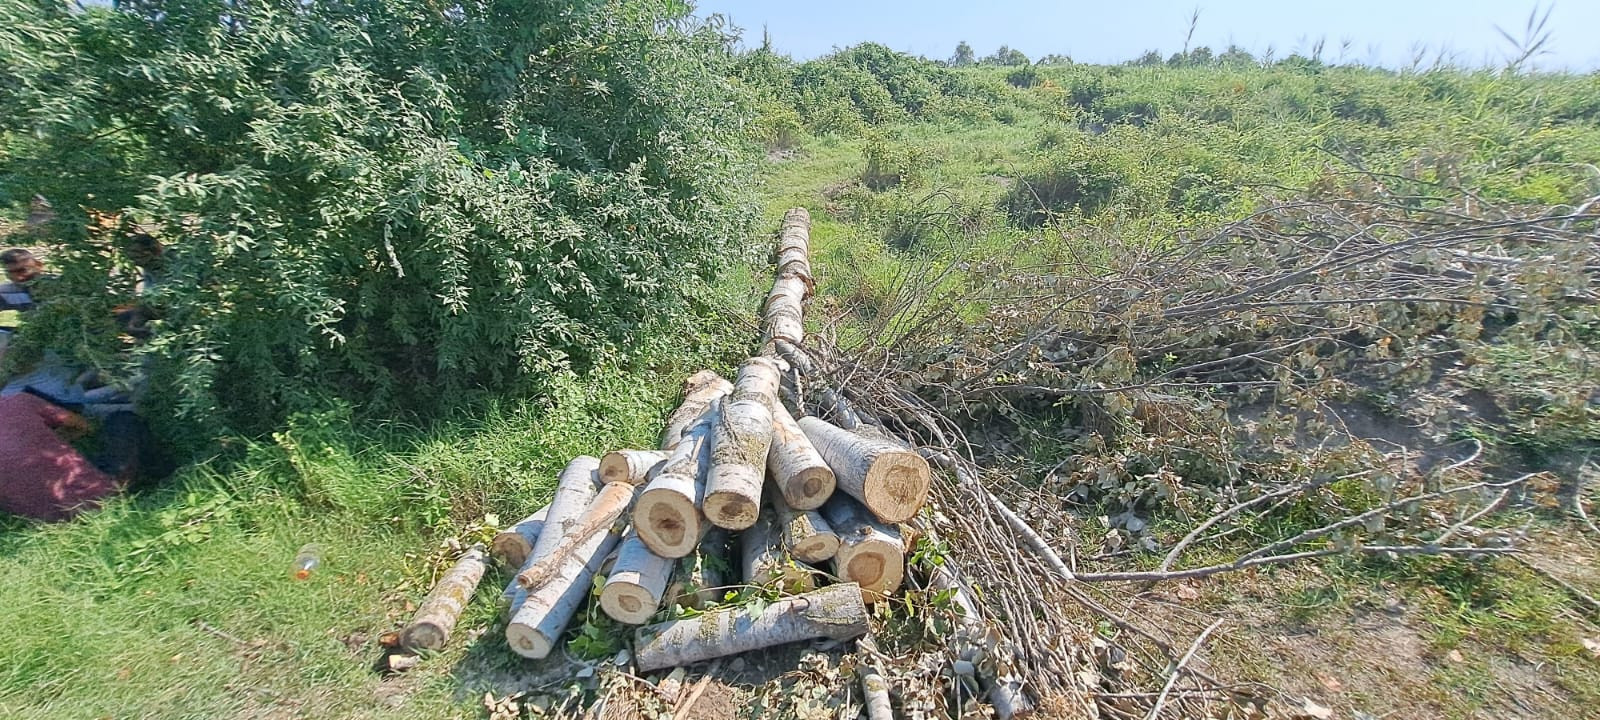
307 561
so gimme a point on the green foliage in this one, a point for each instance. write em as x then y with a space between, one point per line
384 200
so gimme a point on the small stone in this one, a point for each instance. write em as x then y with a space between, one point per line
963 668
737 665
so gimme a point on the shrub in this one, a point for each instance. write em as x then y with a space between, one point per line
383 200
1023 77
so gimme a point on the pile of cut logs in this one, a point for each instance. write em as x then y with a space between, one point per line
738 483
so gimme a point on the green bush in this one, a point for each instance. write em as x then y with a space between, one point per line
385 200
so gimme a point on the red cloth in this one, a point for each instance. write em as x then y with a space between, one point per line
41 476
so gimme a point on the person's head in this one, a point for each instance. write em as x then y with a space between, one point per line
21 266
143 249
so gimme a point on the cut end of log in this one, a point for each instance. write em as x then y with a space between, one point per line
629 466
528 642
877 566
423 636
511 548
815 548
896 486
732 511
671 527
815 485
628 603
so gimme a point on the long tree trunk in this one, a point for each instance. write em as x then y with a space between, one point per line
834 612
783 315
430 627
889 479
629 466
700 391
513 544
667 514
796 468
611 502
576 486
637 584
870 554
806 535
544 613
703 579
794 244
739 445
765 563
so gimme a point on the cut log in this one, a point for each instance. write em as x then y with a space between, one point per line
629 466
637 583
575 489
699 392
796 468
765 564
876 690
870 554
543 614
783 317
702 579
794 244
739 444
667 513
430 627
889 479
834 612
512 545
603 512
806 535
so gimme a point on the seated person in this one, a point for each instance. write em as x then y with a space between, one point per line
22 268
45 478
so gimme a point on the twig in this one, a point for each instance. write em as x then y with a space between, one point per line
1245 564
1177 670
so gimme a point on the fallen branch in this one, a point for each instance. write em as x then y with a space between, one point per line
430 627
835 612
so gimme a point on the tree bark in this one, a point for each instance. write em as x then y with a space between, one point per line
575 488
612 501
889 479
739 444
667 514
629 466
430 627
637 584
794 244
796 468
765 563
784 316
513 544
870 554
544 612
806 535
834 612
700 391
876 690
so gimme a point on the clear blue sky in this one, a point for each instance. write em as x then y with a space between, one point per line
1383 31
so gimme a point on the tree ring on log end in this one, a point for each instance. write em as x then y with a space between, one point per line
865 569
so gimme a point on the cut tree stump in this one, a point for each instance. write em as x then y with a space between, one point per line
739 444
870 554
806 535
629 466
834 612
667 513
543 615
430 627
889 479
765 564
638 582
699 392
701 580
608 505
512 545
794 464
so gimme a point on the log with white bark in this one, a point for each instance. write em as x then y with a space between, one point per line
739 444
834 612
876 690
629 466
886 477
701 580
806 535
794 244
699 392
543 614
637 583
783 317
513 544
871 554
576 486
430 627
667 513
764 562
603 512
796 468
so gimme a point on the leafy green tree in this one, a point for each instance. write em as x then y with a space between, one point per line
1006 56
392 200
963 56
